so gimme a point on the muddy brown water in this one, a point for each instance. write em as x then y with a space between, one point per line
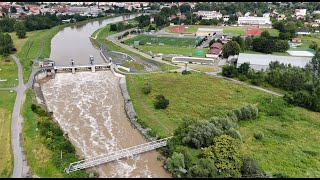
90 107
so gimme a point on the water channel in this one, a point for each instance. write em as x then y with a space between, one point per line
90 107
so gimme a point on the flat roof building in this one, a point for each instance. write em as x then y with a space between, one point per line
254 20
261 61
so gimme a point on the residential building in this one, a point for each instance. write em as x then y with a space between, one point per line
254 20
215 50
295 40
261 61
312 24
317 20
300 12
226 18
303 32
209 14
266 15
247 14
281 17
316 12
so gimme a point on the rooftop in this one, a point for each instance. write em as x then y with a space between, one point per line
261 59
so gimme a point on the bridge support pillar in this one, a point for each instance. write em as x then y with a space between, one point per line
73 70
53 73
93 68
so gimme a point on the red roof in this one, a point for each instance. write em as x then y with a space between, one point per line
214 51
216 45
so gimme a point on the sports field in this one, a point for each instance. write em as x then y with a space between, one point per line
166 41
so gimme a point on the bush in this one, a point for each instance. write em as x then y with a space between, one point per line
250 167
161 102
246 112
258 135
146 89
229 71
243 77
141 43
184 72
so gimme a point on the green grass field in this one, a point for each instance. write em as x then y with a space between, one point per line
306 40
292 139
272 32
181 42
9 72
133 64
19 43
6 107
38 156
186 51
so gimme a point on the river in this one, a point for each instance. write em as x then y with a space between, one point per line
90 107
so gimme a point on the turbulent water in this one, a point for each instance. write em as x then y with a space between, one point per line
90 108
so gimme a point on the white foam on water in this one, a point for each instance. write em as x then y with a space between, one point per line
87 97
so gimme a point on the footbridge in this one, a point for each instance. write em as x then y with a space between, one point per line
116 155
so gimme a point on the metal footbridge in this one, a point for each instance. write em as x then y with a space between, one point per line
116 155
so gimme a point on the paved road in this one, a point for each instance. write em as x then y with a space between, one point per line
20 168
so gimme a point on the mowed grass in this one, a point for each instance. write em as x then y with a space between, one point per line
154 40
19 43
9 72
307 40
6 158
194 95
292 139
133 64
272 32
32 46
186 51
38 156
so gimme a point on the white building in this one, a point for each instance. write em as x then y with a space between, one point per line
226 18
261 61
316 12
300 12
317 20
254 20
266 15
209 14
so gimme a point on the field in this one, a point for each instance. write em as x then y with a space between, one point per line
307 40
18 43
38 156
9 72
292 140
6 107
167 41
226 29
172 50
202 67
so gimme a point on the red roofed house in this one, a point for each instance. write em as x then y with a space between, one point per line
215 50
295 40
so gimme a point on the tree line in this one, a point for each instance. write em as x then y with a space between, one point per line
301 84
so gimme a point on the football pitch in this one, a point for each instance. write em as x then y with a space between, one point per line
165 41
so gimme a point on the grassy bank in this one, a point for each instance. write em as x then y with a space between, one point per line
6 158
8 72
36 144
292 141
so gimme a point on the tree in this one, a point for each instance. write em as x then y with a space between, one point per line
231 48
284 35
280 45
229 71
240 41
314 67
184 8
244 68
226 155
176 164
250 167
7 24
20 30
146 89
113 27
161 102
6 43
265 34
205 168
13 9
248 42
201 134
211 42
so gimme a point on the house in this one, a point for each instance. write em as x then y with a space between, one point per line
312 24
295 40
266 15
226 18
261 61
303 31
215 50
247 14
208 32
239 14
300 12
281 17
316 12
317 20
254 20
172 17
209 14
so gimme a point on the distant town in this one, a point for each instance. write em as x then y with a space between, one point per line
159 89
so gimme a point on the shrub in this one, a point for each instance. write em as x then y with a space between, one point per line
246 112
258 135
184 72
229 71
234 133
250 167
141 43
161 102
243 77
146 89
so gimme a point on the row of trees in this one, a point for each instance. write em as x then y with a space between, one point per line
218 143
302 84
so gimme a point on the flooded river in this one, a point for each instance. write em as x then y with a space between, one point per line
90 107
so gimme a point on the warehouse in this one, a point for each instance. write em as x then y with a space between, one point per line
261 61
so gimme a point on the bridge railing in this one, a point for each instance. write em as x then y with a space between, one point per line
115 155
